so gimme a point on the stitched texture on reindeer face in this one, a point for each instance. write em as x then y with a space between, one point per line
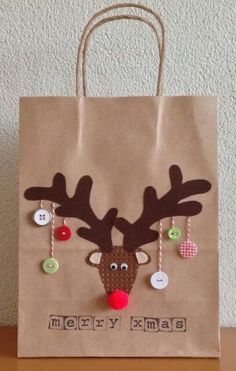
118 278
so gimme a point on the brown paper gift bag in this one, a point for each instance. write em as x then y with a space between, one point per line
112 171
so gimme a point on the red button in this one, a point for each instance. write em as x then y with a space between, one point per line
63 233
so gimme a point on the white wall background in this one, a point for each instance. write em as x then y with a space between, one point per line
38 57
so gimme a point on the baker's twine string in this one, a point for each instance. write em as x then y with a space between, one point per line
188 228
52 230
160 246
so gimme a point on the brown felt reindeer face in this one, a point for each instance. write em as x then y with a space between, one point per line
118 265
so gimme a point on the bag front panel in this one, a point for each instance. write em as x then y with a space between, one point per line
124 145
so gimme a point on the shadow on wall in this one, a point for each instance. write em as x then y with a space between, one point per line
8 228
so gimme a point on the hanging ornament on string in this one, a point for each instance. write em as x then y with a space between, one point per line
51 265
159 280
188 249
42 216
63 233
174 233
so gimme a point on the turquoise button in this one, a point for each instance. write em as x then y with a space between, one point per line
50 265
174 233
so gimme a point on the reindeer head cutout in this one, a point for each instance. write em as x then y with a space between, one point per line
118 265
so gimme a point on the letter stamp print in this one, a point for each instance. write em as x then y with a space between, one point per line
137 323
70 323
179 324
151 324
85 322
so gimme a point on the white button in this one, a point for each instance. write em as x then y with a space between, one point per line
42 217
159 280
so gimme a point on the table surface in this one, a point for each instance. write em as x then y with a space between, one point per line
10 362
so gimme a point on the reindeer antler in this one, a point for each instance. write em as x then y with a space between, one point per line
79 207
154 209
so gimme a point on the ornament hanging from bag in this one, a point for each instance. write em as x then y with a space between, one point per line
174 233
42 216
159 280
63 233
188 249
51 265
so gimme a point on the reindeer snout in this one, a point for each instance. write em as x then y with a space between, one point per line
118 299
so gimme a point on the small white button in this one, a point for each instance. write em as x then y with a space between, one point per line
159 280
42 217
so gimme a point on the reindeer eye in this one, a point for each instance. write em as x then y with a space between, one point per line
113 266
124 267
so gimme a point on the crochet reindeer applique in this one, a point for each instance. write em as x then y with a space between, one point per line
118 265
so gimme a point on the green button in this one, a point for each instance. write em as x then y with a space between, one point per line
50 265
174 233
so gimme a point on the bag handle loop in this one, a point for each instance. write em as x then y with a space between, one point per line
110 19
88 30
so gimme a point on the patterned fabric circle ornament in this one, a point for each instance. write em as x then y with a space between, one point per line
188 249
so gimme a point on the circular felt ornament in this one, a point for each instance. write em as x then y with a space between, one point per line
63 233
159 280
188 249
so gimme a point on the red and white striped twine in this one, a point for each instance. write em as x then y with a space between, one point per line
172 221
52 230
160 246
188 228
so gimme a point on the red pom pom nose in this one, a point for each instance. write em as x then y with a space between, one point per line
118 299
